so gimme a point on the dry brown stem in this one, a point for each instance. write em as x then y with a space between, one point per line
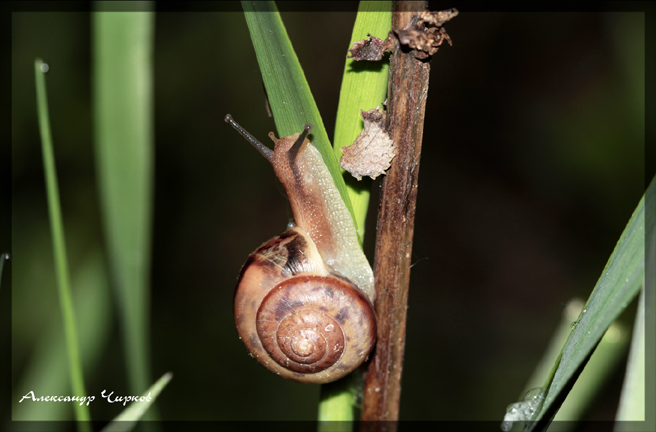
407 92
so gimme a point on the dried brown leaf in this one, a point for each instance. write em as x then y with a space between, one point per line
437 19
371 49
372 151
426 34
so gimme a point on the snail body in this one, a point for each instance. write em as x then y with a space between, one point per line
303 304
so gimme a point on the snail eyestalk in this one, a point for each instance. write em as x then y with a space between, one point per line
264 150
299 142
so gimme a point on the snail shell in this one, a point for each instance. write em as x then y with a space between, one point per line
297 317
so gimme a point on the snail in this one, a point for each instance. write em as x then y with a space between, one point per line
303 303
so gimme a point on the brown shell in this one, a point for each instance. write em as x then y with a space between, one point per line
298 318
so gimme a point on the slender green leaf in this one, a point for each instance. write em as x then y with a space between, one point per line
604 361
602 364
43 369
632 401
619 283
364 87
123 116
634 412
59 247
545 365
338 400
127 420
289 95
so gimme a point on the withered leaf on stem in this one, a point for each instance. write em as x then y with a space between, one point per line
425 43
437 18
426 34
371 49
372 151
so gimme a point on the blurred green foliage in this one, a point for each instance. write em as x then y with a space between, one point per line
123 119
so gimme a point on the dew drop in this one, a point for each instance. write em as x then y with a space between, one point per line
524 411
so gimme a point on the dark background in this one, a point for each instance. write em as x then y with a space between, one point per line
533 161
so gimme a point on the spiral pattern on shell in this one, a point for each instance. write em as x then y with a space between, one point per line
297 317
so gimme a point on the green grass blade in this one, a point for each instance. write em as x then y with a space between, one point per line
634 414
127 420
558 339
289 95
604 361
43 370
123 131
619 283
59 248
632 400
602 364
338 400
364 87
